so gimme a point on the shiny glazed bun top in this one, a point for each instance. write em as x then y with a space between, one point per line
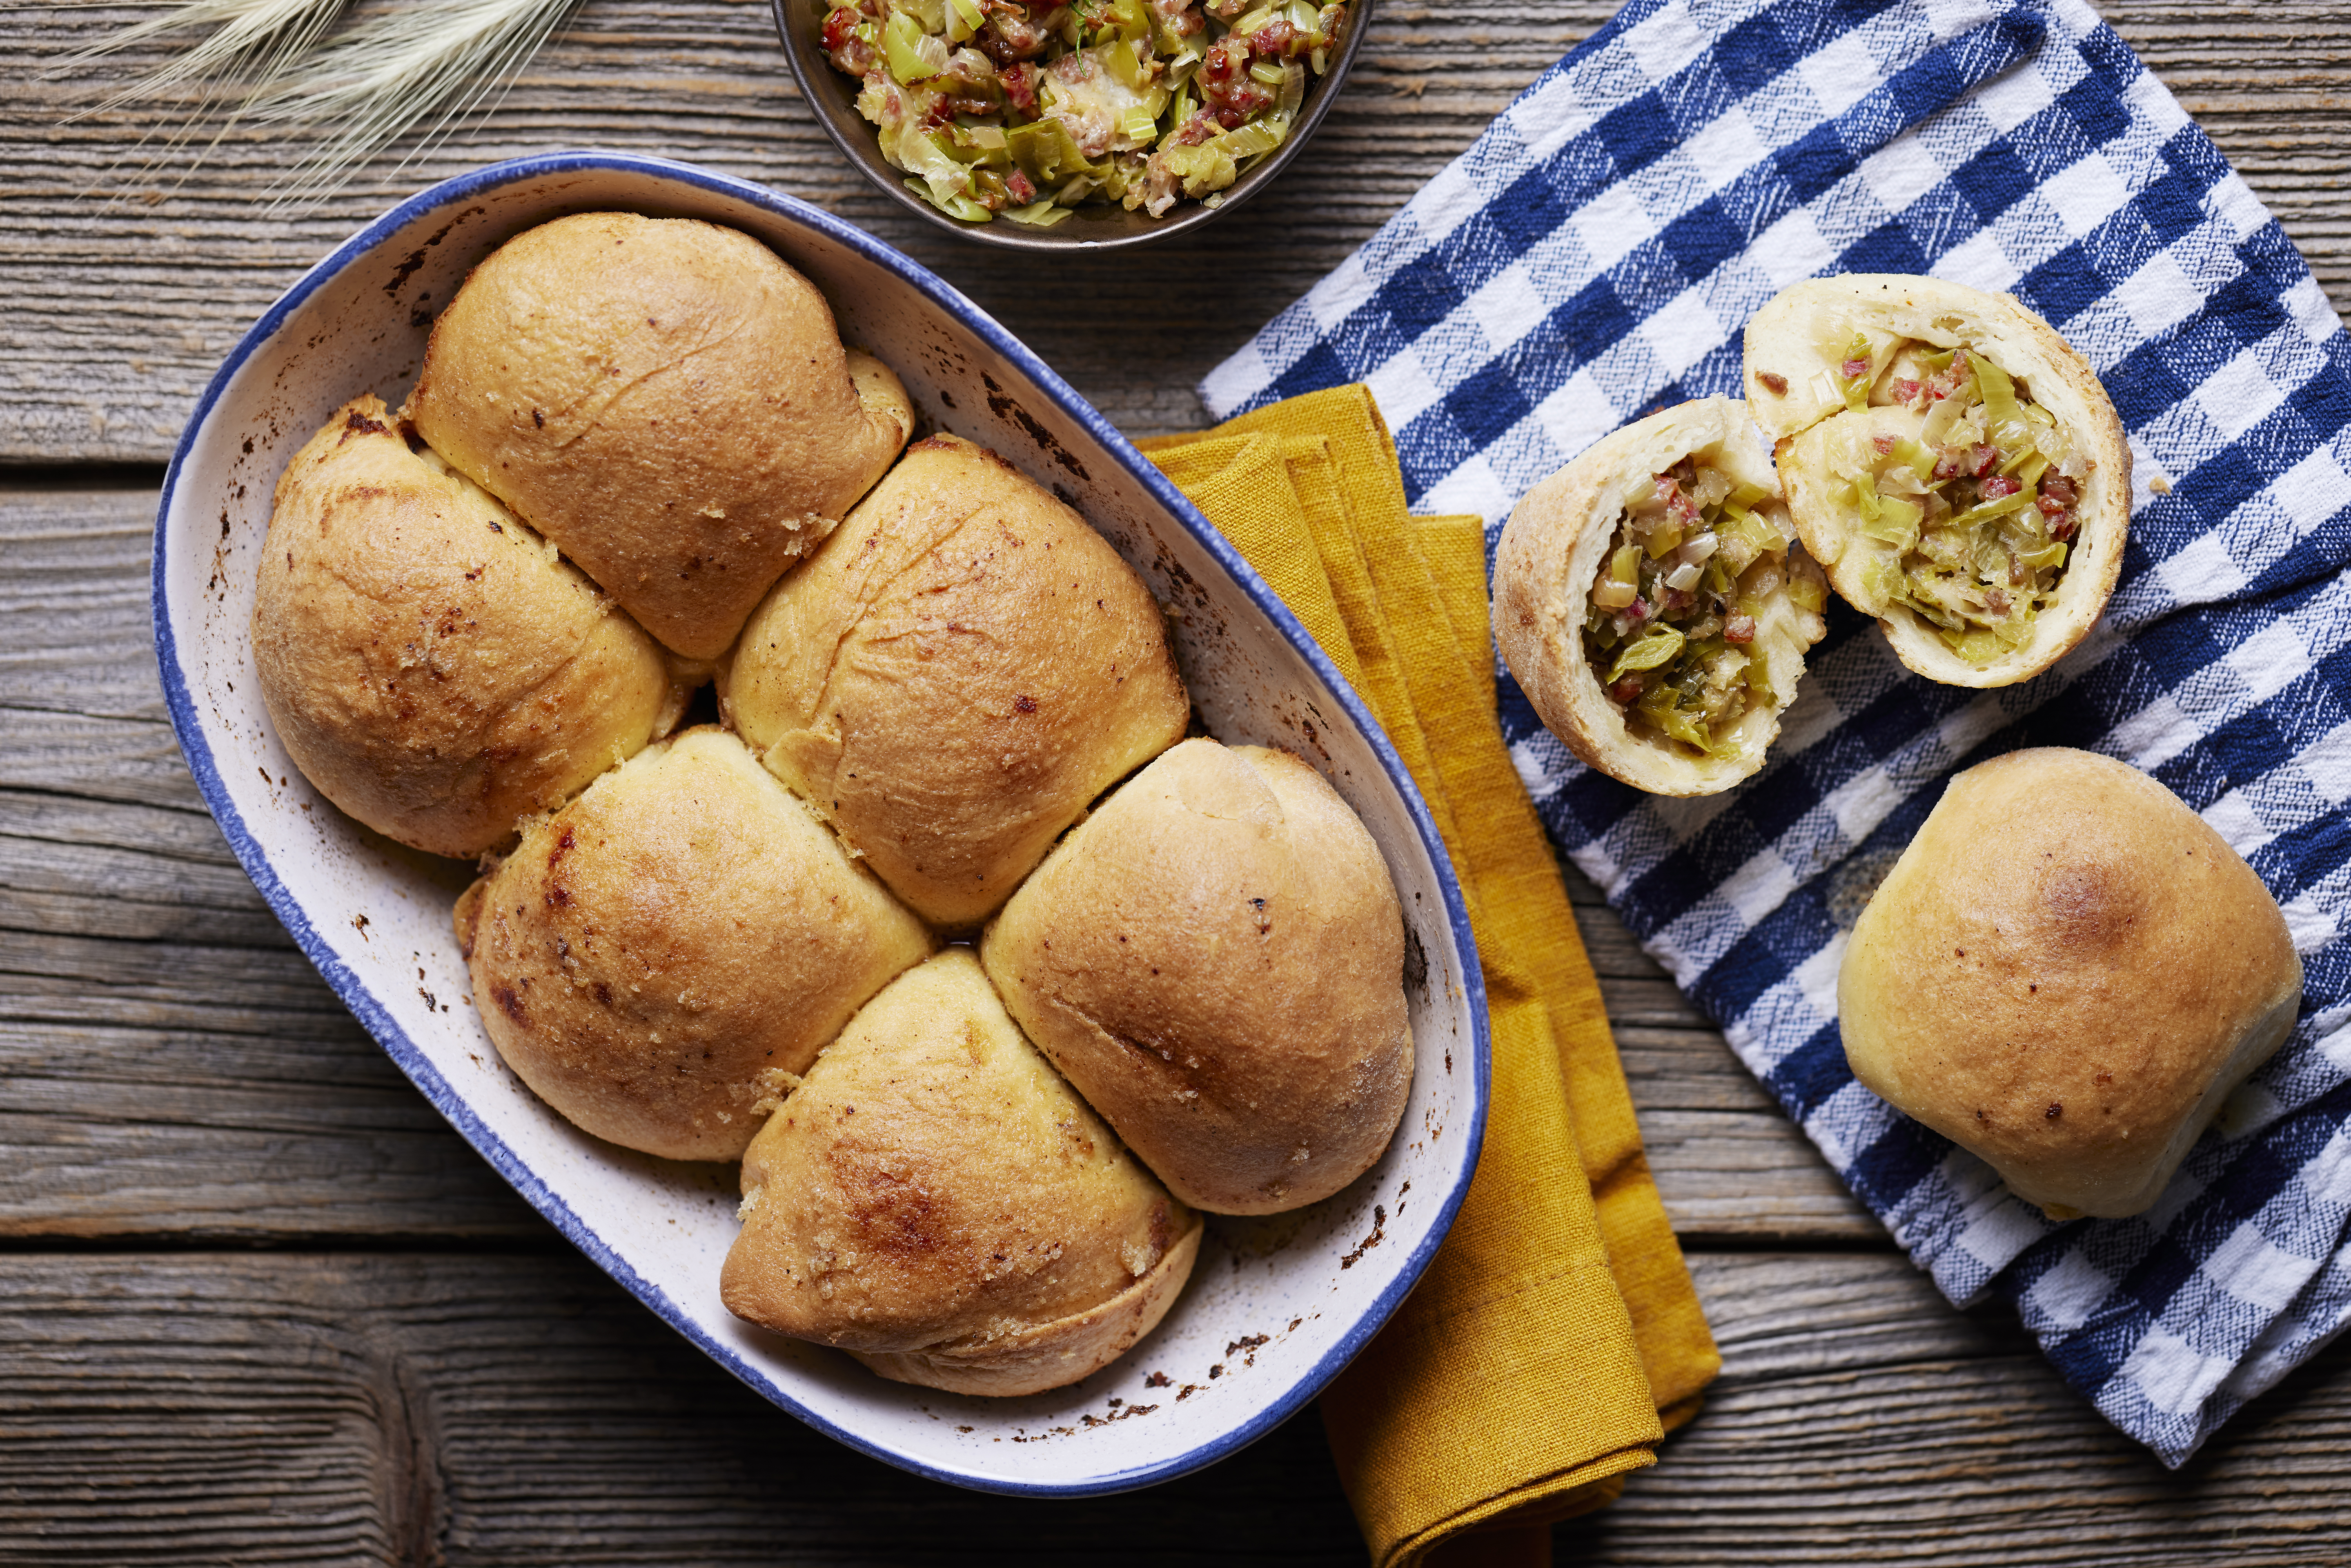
2066 972
668 402
955 675
428 663
661 959
937 1201
1216 959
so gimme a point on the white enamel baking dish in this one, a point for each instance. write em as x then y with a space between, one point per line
1276 1307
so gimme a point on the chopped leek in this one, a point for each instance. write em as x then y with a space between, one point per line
1653 648
1044 214
901 46
1855 388
957 206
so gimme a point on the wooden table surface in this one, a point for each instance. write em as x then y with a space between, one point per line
259 1304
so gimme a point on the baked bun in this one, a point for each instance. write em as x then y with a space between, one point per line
954 676
428 661
661 958
1952 461
1677 691
666 401
1215 957
2066 973
935 1201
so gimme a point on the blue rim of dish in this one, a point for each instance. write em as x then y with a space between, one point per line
420 1070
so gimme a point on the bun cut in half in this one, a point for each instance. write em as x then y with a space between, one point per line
668 402
962 668
660 959
1953 464
2066 973
935 1201
1651 601
1215 957
428 663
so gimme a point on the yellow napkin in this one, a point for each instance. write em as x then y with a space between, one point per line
1530 1368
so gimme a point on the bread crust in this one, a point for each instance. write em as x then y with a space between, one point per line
427 661
937 1201
1554 546
1214 959
955 676
668 402
2066 973
661 959
1796 337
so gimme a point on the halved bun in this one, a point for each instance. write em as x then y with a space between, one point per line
1559 540
1796 346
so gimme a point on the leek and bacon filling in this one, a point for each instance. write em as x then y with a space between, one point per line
1028 108
1675 608
1975 492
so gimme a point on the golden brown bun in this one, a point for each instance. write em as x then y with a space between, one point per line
1803 332
666 401
2066 973
661 957
428 663
958 672
1554 546
935 1201
1216 958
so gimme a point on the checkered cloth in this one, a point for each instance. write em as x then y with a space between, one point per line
1594 257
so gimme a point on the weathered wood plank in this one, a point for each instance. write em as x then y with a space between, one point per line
448 1409
522 1410
131 290
1860 1419
127 292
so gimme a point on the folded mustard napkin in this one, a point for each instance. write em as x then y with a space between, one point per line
1556 1335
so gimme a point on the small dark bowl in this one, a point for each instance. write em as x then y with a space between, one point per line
1100 226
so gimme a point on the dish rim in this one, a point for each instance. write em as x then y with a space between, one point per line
865 152
394 1041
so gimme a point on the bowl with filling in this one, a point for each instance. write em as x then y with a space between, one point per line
1654 604
373 914
1952 461
1040 125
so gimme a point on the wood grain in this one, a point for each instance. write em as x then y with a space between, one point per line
128 286
466 1410
398 1361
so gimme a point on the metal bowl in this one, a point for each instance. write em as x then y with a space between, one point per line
1099 226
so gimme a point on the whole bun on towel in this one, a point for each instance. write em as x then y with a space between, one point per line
668 402
428 661
660 959
1215 957
2066 973
960 670
934 1200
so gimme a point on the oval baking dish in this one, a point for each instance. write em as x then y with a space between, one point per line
1304 1290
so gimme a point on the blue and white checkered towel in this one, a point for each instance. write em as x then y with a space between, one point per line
1594 257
